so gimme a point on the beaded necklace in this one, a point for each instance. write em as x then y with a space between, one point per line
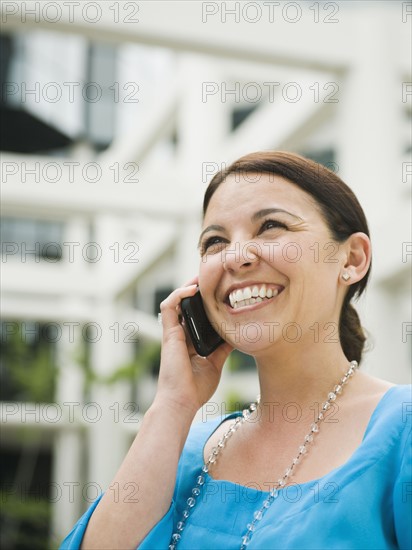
281 482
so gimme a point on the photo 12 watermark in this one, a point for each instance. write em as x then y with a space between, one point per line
70 332
71 12
291 252
406 331
69 92
406 172
270 12
69 491
68 171
290 332
70 252
69 412
210 168
406 92
406 8
270 92
326 492
406 252
272 410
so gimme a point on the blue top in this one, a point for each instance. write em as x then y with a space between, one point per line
364 504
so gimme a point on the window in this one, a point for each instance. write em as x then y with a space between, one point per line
26 491
31 240
28 367
101 90
240 114
160 295
322 156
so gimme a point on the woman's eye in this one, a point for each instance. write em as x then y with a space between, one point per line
271 224
211 244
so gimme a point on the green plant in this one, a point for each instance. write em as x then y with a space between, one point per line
28 368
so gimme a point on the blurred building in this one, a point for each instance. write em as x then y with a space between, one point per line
115 117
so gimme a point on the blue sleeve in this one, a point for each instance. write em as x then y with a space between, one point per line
75 537
159 537
402 499
189 465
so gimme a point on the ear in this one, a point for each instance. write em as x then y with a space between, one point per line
357 258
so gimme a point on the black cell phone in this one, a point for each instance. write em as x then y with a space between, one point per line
204 337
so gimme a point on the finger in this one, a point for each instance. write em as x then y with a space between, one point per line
219 356
192 281
170 307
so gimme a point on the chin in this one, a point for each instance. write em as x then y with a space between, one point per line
251 343
252 336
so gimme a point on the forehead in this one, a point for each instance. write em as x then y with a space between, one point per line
239 194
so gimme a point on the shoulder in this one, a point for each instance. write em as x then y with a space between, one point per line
383 399
396 404
191 460
396 407
202 430
390 426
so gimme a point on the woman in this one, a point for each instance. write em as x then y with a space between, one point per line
284 248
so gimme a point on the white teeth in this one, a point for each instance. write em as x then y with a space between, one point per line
247 293
251 295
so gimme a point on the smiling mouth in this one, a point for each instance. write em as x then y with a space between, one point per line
250 295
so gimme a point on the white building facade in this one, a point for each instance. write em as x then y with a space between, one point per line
149 100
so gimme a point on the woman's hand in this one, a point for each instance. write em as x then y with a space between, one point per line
186 379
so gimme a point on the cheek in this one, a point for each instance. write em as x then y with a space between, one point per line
293 255
285 257
209 274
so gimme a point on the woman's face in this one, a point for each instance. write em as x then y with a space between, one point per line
269 270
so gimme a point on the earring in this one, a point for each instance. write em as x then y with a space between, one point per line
345 276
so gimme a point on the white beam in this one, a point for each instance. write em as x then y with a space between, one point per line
293 37
56 280
157 124
14 310
87 187
275 123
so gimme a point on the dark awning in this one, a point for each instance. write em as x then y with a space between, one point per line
22 132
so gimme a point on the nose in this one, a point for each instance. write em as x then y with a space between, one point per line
241 256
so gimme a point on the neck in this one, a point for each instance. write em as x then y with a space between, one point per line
301 378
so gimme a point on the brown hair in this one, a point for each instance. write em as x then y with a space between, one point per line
339 206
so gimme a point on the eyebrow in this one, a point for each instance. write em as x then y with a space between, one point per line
256 216
210 228
262 213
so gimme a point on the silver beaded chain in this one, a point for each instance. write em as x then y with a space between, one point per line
281 482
